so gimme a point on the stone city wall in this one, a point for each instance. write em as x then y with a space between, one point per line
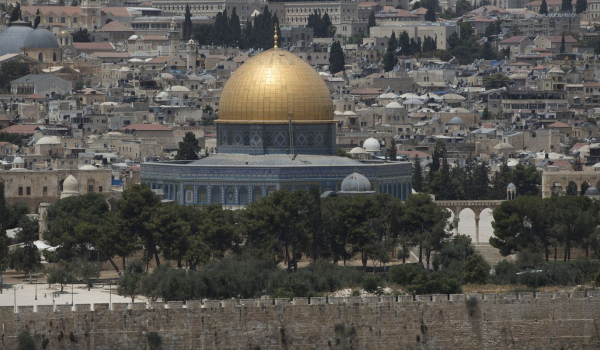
509 321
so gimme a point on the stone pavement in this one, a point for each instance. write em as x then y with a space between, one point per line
25 293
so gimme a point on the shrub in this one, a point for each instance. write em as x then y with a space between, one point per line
586 269
529 258
404 274
355 293
505 272
61 276
475 270
282 294
458 250
434 283
371 284
25 341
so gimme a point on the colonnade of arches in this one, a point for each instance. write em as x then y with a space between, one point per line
399 190
215 194
473 221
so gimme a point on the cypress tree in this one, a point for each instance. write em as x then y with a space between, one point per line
187 24
581 6
326 25
417 179
234 26
336 58
544 8
372 22
248 36
16 13
389 59
562 44
36 23
566 6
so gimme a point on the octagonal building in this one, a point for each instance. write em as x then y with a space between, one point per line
275 130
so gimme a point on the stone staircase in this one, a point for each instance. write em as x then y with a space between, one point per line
491 254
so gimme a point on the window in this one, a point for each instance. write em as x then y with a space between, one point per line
20 191
45 191
99 188
90 188
74 19
62 20
28 191
40 57
50 20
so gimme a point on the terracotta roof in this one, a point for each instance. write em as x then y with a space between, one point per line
395 13
103 46
559 125
367 3
21 129
558 39
116 27
3 117
117 11
539 68
147 3
146 127
591 84
212 134
420 11
111 54
513 40
577 146
2 144
44 10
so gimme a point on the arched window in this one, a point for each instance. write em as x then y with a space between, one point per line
256 194
54 57
167 192
270 190
404 191
243 196
202 195
215 195
60 185
40 57
229 196
189 195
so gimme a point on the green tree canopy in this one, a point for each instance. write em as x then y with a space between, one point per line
188 148
336 58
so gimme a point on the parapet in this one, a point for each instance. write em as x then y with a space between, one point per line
386 300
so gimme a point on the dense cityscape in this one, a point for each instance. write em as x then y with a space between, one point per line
299 174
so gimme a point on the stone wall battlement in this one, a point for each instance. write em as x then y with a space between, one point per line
543 320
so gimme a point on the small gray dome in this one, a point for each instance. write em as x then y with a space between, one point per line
356 182
592 191
511 186
41 39
456 120
12 39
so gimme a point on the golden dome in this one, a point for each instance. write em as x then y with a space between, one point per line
275 86
64 32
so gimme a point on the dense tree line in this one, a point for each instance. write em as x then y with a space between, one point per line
472 181
227 31
551 225
282 227
321 24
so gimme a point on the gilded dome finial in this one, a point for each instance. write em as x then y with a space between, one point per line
275 36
